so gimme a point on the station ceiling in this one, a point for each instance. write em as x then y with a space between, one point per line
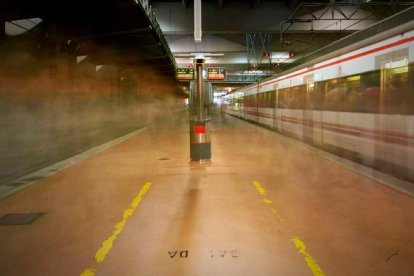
253 39
120 32
244 36
242 30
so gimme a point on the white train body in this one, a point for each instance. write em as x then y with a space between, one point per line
358 105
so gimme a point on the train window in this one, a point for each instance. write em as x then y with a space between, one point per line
282 98
396 94
269 99
267 102
310 89
293 98
299 97
272 99
289 98
353 96
247 100
316 96
334 98
370 92
239 100
262 99
250 100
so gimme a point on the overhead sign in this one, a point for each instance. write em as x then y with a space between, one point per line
216 73
185 73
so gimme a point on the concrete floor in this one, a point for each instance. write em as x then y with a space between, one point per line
263 206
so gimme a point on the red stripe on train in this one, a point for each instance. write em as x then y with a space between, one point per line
384 47
355 131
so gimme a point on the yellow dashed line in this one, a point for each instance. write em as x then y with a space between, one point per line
262 191
316 270
259 188
88 272
107 244
314 267
268 201
273 210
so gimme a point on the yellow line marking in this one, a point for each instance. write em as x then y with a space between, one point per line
262 191
107 244
88 272
259 188
316 270
268 201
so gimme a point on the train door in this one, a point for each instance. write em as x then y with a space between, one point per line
260 98
308 119
266 109
274 108
394 86
239 104
298 106
279 109
395 104
315 104
242 105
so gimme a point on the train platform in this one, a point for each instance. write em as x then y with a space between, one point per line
263 206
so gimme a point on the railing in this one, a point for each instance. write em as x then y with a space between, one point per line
403 18
245 78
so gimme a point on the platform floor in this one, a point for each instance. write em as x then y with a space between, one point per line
263 206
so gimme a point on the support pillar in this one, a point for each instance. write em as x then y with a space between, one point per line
200 140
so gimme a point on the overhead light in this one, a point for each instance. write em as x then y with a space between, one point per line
199 54
18 27
183 55
197 21
79 59
213 54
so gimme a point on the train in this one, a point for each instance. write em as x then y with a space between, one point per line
356 102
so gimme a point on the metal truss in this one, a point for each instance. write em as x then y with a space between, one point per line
259 50
340 12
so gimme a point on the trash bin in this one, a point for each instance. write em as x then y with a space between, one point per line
200 140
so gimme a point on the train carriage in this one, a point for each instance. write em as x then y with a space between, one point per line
358 104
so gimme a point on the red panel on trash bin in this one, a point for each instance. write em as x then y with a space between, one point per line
200 129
